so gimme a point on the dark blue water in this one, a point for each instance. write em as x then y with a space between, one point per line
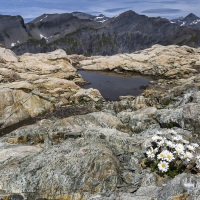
112 85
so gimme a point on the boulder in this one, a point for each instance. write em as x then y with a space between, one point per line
185 116
6 55
17 105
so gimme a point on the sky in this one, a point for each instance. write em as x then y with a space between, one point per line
170 9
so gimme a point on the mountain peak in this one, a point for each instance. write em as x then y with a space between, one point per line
128 12
191 16
101 15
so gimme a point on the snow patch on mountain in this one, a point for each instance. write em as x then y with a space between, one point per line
190 20
183 24
44 18
195 22
15 43
101 18
42 36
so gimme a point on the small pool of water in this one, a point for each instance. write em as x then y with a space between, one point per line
112 85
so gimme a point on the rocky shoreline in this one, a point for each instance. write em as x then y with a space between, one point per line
96 149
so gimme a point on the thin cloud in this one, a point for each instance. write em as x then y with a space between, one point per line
115 9
153 8
133 2
162 11
167 2
32 12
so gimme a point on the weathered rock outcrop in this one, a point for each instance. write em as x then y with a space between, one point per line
171 61
34 84
93 156
99 155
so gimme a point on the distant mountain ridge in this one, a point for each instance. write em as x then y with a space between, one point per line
100 18
81 33
190 20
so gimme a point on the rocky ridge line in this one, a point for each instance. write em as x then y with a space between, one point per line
81 33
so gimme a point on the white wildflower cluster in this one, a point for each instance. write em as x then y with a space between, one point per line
172 150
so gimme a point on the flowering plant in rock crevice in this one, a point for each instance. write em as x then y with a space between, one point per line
170 154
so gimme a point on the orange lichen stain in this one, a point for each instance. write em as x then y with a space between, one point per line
17 140
181 197
143 165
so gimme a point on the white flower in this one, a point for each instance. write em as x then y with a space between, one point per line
161 156
160 143
190 147
179 147
155 150
150 154
169 156
188 155
170 144
179 152
163 166
164 150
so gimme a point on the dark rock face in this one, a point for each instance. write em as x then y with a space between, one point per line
190 20
86 34
52 27
12 31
